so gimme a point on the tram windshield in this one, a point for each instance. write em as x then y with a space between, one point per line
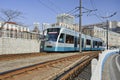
52 34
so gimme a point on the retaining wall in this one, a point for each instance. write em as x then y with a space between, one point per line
98 68
18 45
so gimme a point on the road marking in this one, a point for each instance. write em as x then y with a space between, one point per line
117 64
112 73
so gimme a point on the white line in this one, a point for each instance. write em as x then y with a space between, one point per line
112 72
117 64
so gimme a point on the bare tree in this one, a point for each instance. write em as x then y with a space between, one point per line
9 15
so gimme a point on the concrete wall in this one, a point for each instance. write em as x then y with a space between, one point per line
98 68
17 45
0 45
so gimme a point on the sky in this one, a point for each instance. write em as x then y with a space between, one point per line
45 11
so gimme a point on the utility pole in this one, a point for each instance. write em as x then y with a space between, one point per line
80 26
80 21
107 33
107 27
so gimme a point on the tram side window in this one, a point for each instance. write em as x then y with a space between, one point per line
100 43
61 39
94 43
88 42
69 39
97 44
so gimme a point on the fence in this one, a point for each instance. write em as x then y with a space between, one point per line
19 34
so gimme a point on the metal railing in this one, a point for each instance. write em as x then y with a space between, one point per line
19 34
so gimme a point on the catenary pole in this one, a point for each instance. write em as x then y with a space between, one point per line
80 26
107 30
107 33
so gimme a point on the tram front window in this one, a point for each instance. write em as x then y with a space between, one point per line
52 34
61 39
52 37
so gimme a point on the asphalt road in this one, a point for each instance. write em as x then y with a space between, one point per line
115 67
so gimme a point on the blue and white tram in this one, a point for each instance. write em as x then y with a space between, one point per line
61 39
97 44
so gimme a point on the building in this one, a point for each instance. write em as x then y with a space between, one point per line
72 26
13 26
113 37
113 25
97 30
45 26
14 30
117 29
65 18
36 27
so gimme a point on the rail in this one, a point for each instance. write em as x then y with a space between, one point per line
11 73
74 70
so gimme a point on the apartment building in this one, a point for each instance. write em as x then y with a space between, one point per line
96 30
113 37
14 30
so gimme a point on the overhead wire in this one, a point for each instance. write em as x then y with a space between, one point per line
77 9
53 4
97 14
51 9
71 11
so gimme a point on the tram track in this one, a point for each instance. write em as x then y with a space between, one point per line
7 57
71 73
42 67
85 74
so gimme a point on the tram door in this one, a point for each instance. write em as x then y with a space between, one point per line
42 46
75 43
82 43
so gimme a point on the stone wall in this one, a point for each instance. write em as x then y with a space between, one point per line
18 45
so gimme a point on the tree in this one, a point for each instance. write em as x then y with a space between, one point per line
9 16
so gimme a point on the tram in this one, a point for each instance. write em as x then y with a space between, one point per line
61 39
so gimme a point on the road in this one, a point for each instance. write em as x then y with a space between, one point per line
115 67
